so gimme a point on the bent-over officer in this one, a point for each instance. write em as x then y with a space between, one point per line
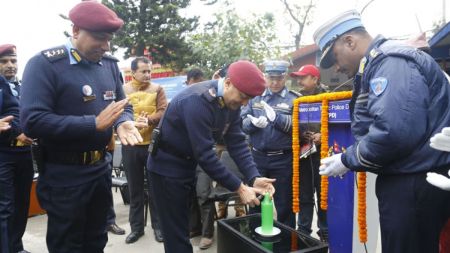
72 97
267 120
195 119
400 99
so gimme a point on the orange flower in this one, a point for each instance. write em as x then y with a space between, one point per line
362 222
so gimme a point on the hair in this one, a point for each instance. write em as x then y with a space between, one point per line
195 74
135 62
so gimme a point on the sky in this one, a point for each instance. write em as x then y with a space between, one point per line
35 25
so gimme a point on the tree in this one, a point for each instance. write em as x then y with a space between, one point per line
155 26
301 16
230 38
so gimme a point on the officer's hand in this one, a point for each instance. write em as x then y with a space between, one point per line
439 180
128 133
332 166
441 141
109 115
4 123
270 112
248 195
260 122
265 184
316 138
24 139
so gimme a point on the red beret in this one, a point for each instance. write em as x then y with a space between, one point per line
95 17
7 49
247 78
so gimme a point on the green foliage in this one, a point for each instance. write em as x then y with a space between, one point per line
156 26
230 38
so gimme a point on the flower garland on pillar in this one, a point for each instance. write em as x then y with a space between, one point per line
362 218
324 153
295 159
361 176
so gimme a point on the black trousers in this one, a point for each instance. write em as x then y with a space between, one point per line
202 211
16 176
134 160
412 212
77 215
173 197
310 186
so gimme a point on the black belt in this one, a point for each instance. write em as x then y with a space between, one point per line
173 151
74 158
273 152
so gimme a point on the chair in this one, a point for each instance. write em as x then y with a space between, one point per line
118 178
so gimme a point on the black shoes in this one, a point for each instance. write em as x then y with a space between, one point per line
158 235
113 228
134 236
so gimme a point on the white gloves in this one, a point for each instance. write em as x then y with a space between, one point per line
441 141
260 122
332 166
439 180
270 112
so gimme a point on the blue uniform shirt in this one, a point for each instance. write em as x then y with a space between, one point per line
9 106
59 105
401 98
194 121
278 134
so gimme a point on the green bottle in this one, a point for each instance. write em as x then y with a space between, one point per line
267 215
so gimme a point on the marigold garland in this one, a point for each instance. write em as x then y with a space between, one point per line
324 98
324 153
362 208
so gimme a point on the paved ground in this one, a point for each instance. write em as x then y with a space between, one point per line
34 238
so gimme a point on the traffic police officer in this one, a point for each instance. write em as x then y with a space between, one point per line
71 98
195 119
16 166
267 120
400 99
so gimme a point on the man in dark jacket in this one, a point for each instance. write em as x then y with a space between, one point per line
72 97
400 99
195 119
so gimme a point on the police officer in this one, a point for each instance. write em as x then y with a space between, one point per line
194 120
400 99
308 77
267 120
72 97
16 166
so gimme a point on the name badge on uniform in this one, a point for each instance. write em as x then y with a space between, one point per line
109 95
87 93
283 106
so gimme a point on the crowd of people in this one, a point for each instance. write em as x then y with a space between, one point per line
72 101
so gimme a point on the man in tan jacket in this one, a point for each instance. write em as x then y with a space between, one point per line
149 103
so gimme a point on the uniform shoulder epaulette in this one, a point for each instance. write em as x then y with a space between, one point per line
54 54
296 93
110 57
210 94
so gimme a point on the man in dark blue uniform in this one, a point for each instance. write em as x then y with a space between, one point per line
72 97
267 120
16 166
400 99
195 119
